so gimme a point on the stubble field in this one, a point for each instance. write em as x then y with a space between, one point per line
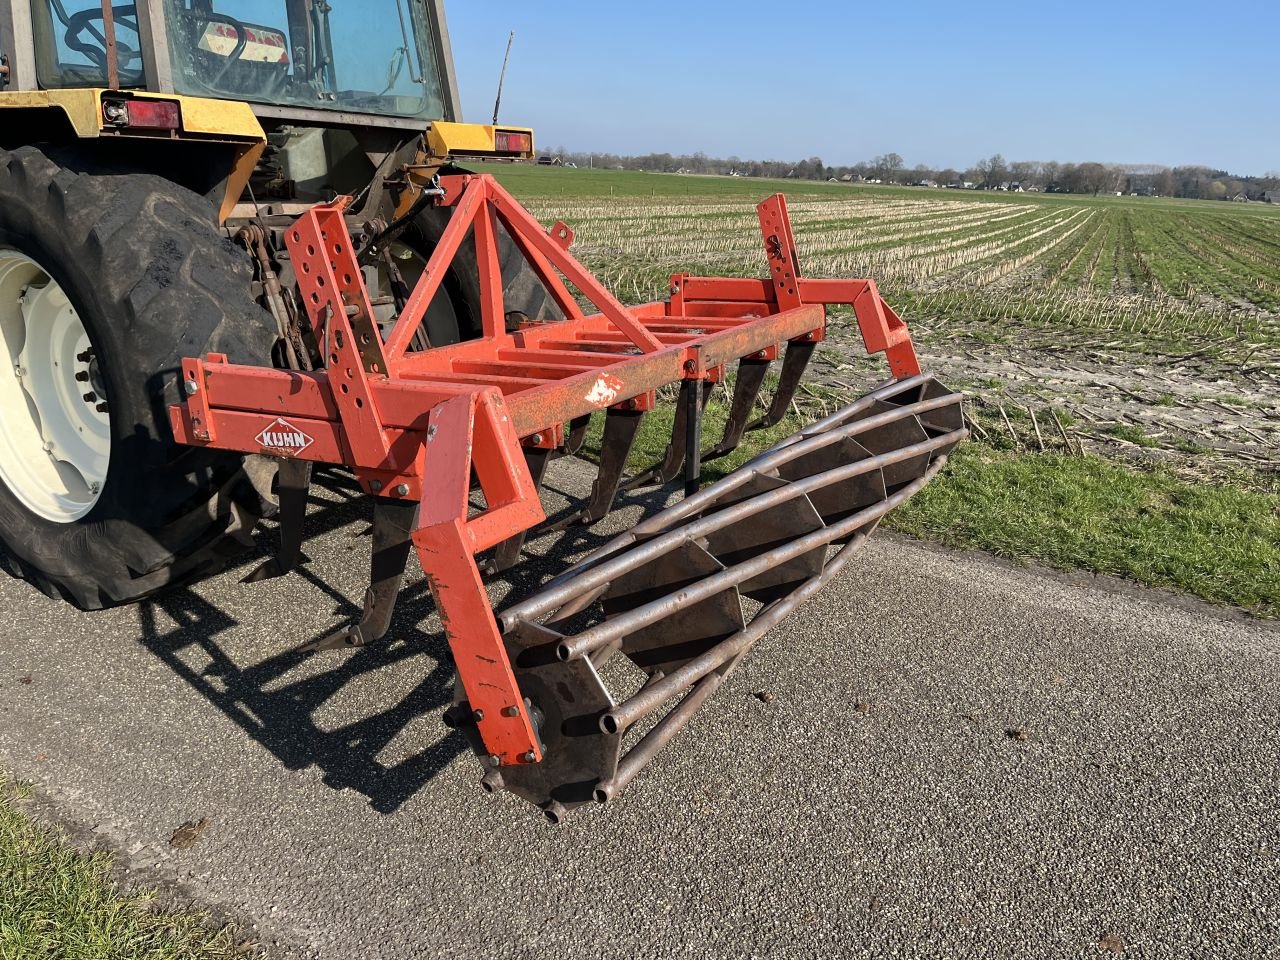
1148 327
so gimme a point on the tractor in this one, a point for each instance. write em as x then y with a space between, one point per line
239 242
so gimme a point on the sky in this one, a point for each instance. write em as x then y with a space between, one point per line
942 84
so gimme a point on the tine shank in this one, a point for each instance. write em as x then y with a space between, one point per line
393 525
746 389
294 482
793 366
507 553
692 394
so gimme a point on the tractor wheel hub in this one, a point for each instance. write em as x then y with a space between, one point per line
55 436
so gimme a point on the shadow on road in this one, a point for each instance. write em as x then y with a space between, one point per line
281 713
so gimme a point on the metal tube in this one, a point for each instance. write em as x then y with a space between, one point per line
797 446
608 563
552 593
627 623
654 695
653 742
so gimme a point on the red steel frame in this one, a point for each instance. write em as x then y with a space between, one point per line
416 424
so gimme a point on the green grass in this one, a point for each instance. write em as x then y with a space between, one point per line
58 904
1085 513
1131 434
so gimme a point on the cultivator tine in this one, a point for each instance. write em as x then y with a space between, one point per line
294 483
746 388
794 364
693 399
393 525
674 458
577 435
620 428
507 554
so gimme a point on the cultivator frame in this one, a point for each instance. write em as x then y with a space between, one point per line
424 430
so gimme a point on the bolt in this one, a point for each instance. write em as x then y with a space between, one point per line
375 485
529 757
431 432
95 488
536 439
19 371
690 366
90 397
402 490
191 387
675 288
101 408
511 711
83 376
48 446
495 760
86 356
477 715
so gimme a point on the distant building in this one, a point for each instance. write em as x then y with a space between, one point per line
1272 196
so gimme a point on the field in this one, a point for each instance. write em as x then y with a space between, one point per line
1122 354
1148 328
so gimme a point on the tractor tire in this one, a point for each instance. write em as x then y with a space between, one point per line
523 293
140 261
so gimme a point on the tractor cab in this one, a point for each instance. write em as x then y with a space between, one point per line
377 62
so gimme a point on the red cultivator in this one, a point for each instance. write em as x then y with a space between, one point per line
453 441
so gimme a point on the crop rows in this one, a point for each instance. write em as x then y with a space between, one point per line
1145 265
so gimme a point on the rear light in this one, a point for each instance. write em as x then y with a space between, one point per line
142 114
507 141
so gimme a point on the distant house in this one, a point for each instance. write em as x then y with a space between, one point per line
1240 198
1272 196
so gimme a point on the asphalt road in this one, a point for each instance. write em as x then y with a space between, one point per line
954 758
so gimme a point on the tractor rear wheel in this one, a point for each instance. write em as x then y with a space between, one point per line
106 282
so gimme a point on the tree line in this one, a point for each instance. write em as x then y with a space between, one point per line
990 173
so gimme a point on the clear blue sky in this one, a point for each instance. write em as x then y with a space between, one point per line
939 83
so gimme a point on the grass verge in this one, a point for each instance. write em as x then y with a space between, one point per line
1219 543
1086 513
57 903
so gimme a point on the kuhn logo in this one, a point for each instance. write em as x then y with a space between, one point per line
285 437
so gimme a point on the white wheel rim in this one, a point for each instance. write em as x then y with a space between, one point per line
55 428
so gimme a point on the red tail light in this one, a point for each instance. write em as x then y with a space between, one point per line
142 114
508 141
